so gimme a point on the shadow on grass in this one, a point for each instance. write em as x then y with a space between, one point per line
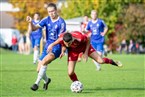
114 89
30 70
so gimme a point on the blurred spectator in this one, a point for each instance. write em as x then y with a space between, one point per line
131 47
123 46
21 45
14 43
27 44
84 23
137 47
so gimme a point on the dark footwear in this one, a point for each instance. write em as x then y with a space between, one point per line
34 87
45 86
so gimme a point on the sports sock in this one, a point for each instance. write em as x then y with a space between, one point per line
45 78
41 74
98 66
35 55
109 61
73 77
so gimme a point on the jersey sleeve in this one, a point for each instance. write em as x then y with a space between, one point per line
79 36
103 24
42 23
62 27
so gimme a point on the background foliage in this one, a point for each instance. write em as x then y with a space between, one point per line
125 18
28 7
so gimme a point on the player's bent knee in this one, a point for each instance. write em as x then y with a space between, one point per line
70 73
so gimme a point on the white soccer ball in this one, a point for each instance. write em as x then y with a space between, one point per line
76 87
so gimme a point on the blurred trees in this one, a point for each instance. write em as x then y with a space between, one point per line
132 19
125 18
108 10
28 7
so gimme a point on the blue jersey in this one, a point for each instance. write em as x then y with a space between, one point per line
53 28
96 28
37 33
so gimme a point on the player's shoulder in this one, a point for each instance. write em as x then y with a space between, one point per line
61 20
76 33
46 18
90 21
100 20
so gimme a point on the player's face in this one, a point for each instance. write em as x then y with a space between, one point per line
68 44
36 17
52 12
85 18
93 15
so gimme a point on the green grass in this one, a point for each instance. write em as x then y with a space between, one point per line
17 74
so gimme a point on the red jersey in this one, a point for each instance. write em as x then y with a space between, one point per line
80 40
77 46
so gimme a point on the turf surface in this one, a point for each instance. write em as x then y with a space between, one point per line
17 74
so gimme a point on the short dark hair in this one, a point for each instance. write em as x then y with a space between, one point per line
52 5
37 13
67 37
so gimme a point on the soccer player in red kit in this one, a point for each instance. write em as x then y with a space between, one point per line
77 42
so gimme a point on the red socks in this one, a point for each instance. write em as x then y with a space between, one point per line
73 77
108 61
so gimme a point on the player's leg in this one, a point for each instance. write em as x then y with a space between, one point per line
99 49
71 69
99 59
42 72
72 59
46 81
33 46
36 50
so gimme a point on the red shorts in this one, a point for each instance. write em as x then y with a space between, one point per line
73 54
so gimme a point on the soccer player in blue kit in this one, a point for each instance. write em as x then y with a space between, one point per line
54 25
35 37
98 29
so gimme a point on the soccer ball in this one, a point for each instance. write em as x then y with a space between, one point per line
76 87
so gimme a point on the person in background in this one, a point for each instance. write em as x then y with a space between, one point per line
14 43
21 44
98 30
123 46
84 23
27 45
83 26
35 37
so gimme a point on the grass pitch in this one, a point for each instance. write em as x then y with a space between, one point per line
17 74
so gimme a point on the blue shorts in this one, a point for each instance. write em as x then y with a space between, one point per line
98 46
35 42
56 51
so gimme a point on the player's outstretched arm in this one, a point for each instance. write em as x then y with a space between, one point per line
85 55
49 49
31 27
63 49
105 31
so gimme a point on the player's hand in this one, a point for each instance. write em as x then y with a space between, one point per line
28 19
85 57
102 34
61 55
49 49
